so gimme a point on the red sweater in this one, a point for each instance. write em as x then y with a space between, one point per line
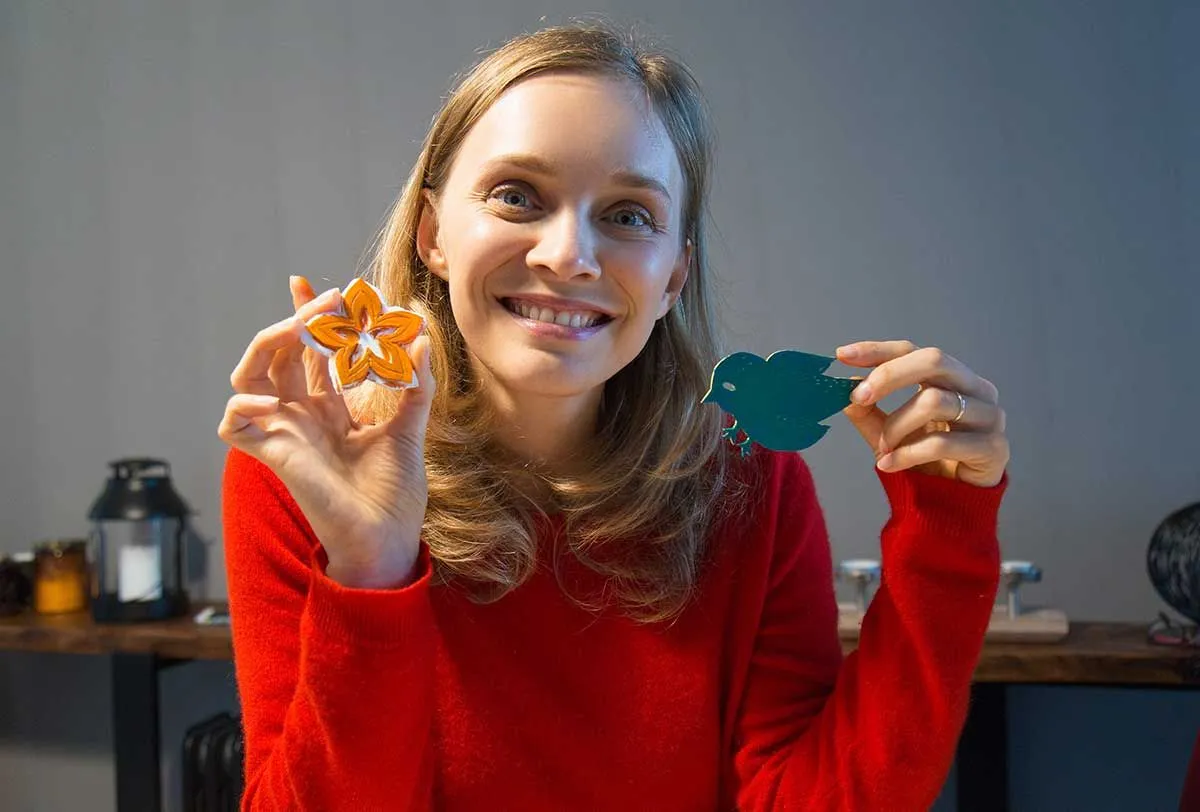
418 699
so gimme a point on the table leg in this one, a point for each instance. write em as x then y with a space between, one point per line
983 751
135 732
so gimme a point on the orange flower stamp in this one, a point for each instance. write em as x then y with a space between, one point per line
365 339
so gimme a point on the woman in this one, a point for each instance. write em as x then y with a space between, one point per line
546 582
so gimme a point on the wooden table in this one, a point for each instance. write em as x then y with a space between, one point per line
1109 654
139 651
1101 654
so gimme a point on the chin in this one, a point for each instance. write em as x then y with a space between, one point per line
550 376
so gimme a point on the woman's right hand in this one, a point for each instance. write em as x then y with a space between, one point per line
362 488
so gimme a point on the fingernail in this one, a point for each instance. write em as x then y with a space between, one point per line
885 462
293 279
862 393
849 351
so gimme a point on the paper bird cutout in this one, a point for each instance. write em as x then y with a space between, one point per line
778 403
365 339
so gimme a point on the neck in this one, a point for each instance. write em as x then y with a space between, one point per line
549 431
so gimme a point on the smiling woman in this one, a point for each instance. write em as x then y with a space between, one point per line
553 218
540 580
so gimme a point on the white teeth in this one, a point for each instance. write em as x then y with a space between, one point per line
564 318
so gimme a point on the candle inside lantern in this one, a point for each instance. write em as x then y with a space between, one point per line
140 577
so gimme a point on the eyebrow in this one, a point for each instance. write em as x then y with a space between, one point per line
538 166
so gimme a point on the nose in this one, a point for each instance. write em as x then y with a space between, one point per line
566 246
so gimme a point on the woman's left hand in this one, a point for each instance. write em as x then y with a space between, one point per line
952 427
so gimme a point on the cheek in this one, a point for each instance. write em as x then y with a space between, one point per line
645 273
479 246
477 236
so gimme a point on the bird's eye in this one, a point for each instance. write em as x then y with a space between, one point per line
729 387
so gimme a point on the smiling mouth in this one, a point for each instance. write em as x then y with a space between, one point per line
563 318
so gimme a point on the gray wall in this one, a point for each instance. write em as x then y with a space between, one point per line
1016 182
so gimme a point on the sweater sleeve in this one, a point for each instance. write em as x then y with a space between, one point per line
336 684
880 731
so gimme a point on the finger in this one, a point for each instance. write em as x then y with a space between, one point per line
873 353
316 366
929 366
252 374
933 404
302 292
288 375
238 427
327 301
868 420
981 457
412 418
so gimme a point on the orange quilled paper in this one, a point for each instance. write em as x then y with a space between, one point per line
365 339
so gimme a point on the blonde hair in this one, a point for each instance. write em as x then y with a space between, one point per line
641 515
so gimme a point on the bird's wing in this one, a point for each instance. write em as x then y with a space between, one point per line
794 383
794 362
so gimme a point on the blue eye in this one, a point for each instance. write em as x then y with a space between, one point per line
511 196
634 218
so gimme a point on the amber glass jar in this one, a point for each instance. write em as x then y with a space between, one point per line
61 582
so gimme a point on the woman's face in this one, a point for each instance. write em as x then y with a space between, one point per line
558 231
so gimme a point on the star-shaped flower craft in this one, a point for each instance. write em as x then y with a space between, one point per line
366 339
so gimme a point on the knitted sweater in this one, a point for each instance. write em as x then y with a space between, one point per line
419 699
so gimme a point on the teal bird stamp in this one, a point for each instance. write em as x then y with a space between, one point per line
779 402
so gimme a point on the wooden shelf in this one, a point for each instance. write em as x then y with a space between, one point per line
1093 653
77 633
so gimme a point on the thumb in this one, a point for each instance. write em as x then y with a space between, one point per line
412 416
869 421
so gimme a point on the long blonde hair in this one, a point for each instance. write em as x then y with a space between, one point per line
658 471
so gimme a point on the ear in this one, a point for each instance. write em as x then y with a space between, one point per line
679 275
428 245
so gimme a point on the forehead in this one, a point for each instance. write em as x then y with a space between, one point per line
585 126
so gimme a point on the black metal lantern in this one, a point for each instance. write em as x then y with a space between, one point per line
138 533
